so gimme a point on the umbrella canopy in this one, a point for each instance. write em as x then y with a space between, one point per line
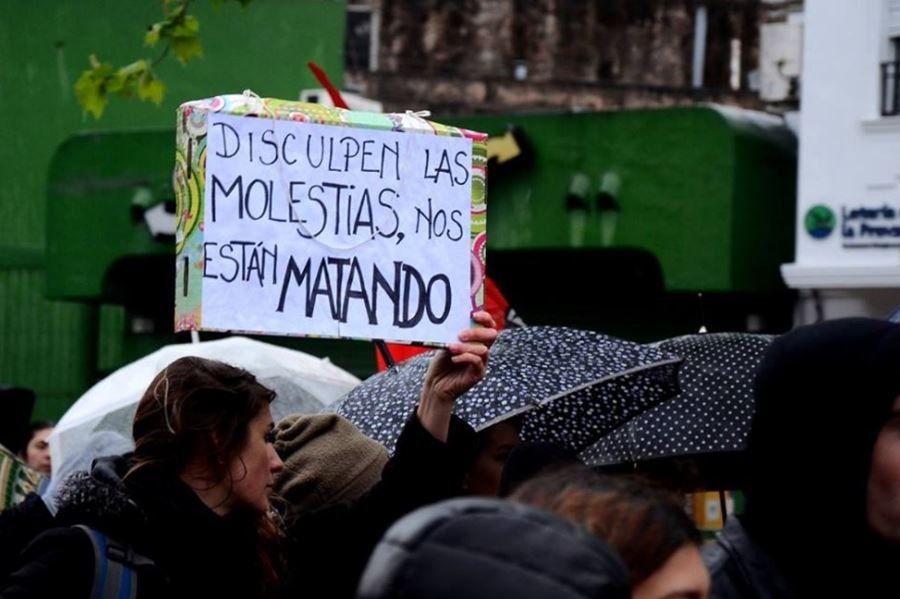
572 386
304 383
711 414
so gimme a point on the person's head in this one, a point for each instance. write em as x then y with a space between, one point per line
531 458
493 447
826 421
482 548
647 526
210 424
36 450
327 460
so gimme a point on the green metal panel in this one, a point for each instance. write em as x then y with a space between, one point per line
53 347
42 344
94 183
703 192
765 187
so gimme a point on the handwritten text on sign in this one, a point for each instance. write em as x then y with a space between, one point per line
322 230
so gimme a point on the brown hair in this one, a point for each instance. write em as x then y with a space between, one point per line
645 525
199 407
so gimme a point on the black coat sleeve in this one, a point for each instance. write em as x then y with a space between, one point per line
328 549
19 525
58 563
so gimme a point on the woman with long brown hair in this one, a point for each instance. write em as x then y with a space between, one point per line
647 526
188 511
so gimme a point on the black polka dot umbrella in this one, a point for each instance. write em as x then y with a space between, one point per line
571 387
711 414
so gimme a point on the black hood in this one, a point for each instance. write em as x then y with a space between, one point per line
822 394
480 548
101 499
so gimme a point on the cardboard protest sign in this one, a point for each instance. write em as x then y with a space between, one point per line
300 219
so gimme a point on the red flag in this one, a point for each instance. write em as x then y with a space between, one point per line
336 98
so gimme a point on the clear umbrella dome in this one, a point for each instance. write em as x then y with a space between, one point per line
302 382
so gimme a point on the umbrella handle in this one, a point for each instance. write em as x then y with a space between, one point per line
382 348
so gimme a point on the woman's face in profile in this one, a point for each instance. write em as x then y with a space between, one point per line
37 452
683 576
883 494
483 477
254 469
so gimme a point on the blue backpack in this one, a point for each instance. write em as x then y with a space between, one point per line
115 566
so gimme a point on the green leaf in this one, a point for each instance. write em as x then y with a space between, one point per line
116 83
152 35
186 48
189 26
150 88
91 88
125 80
91 93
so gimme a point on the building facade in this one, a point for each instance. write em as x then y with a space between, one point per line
523 55
847 259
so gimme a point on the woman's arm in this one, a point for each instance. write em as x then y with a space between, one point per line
452 372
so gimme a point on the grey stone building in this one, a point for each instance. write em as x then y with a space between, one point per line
503 55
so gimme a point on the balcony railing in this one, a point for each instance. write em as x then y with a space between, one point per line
890 88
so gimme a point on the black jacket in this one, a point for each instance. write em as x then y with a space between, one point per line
20 524
199 554
196 552
329 548
822 394
739 569
491 549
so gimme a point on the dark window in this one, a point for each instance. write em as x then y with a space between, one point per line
890 81
358 39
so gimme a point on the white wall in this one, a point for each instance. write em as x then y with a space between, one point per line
849 154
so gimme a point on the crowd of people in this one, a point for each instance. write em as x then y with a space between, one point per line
218 500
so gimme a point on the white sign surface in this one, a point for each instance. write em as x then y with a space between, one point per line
323 230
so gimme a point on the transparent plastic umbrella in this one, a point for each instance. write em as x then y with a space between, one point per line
303 383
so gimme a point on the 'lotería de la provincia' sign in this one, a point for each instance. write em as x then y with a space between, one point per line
300 219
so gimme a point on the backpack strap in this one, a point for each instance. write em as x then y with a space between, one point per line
114 566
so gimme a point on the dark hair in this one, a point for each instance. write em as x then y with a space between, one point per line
28 435
199 407
646 525
39 425
196 407
529 459
33 428
483 436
